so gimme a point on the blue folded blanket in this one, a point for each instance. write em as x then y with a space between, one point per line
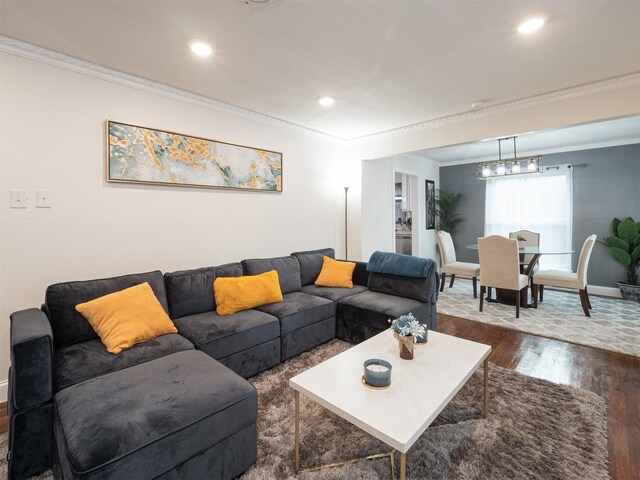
399 264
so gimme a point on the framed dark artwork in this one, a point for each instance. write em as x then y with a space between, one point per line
430 204
145 155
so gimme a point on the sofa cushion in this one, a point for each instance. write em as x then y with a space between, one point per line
222 336
311 263
288 270
82 361
68 325
420 289
143 421
125 318
375 309
191 291
333 293
298 310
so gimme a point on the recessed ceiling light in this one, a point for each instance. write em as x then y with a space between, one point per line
531 23
201 49
326 100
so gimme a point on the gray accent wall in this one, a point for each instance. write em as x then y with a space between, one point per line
608 187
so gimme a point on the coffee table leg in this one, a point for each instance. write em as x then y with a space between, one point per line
297 434
486 388
392 461
403 466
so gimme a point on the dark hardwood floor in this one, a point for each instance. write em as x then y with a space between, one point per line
613 376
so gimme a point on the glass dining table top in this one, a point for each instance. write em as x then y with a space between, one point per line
541 250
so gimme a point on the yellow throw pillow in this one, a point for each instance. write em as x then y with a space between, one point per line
127 317
336 274
234 294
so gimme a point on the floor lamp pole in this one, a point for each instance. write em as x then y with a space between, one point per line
346 235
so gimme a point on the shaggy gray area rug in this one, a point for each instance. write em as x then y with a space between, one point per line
535 430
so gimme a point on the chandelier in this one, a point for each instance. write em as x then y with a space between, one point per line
508 167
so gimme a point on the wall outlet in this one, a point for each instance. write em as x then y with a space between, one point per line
18 199
43 198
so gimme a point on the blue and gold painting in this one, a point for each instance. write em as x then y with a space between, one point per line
145 155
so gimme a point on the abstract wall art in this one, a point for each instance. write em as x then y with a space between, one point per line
149 156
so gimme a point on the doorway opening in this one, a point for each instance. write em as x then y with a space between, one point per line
405 202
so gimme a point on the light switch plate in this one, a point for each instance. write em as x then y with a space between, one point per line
18 199
43 198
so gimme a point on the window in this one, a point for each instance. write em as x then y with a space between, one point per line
540 203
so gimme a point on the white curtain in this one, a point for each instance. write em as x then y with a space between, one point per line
540 203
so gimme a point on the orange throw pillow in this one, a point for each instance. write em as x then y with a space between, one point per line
127 317
234 294
336 274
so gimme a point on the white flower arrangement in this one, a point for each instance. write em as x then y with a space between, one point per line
407 325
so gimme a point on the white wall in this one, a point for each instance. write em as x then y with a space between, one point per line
377 218
53 137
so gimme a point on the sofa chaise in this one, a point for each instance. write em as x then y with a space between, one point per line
178 406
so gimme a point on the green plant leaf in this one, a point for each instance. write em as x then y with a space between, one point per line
615 242
628 230
614 225
621 256
635 255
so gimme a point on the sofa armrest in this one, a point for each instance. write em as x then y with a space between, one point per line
31 358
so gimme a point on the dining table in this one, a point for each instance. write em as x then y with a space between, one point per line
526 268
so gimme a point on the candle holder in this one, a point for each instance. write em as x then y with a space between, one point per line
377 373
424 338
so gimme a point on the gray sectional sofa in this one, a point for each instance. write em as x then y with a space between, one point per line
178 406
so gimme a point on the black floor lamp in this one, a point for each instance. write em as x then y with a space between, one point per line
346 224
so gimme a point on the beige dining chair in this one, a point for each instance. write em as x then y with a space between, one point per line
500 267
532 239
578 280
452 267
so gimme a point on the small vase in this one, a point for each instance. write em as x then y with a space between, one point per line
406 346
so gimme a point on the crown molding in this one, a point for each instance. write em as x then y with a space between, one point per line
60 60
613 83
56 59
549 151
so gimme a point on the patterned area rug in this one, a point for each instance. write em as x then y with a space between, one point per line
535 430
614 324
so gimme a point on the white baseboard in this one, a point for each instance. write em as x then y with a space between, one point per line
604 291
4 390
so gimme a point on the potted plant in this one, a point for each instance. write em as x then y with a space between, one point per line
625 248
405 328
445 203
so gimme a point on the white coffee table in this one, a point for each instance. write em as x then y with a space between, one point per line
419 390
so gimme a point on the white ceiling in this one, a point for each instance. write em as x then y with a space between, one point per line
388 63
611 132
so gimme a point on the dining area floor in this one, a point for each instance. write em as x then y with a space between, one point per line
614 324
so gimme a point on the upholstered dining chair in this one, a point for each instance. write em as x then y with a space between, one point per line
500 267
452 267
532 239
578 280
